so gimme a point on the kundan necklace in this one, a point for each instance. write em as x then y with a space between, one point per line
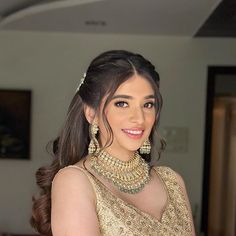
129 176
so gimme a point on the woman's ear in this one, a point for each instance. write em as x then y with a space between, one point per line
89 113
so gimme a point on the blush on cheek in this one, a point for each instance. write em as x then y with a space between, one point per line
151 120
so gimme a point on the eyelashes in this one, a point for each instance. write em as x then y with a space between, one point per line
149 105
121 104
124 104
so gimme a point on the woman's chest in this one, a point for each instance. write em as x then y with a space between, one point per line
153 199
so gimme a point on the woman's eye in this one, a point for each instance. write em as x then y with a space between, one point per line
121 104
149 105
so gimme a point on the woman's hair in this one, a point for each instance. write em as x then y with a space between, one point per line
104 75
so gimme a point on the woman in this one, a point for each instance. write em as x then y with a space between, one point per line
101 181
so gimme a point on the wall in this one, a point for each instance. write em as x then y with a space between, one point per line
51 65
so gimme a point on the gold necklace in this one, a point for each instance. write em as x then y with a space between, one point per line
129 176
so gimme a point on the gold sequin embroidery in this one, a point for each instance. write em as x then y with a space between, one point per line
118 218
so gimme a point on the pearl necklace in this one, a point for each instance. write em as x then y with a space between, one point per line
129 176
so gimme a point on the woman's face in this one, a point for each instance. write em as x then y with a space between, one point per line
131 115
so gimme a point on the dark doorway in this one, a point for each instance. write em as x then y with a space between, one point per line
219 180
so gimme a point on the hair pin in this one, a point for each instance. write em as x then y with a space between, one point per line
81 82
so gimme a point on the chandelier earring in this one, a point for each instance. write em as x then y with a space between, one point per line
93 145
145 148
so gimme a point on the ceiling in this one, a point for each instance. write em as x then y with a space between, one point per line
198 18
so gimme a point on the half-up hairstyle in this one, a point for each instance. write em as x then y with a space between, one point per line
104 75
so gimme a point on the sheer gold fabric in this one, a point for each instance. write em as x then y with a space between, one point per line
118 218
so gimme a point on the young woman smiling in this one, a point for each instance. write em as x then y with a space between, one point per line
101 181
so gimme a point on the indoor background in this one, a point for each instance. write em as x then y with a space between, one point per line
43 51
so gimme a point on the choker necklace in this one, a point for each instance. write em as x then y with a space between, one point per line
129 176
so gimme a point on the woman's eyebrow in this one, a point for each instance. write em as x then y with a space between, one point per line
130 97
150 96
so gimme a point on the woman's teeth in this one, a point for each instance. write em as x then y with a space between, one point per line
134 131
134 134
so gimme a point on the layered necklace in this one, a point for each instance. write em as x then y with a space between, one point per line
128 176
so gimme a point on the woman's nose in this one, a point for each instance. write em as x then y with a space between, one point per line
137 115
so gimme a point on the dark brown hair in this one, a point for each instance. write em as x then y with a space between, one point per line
104 75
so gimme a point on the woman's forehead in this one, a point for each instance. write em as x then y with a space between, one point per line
136 84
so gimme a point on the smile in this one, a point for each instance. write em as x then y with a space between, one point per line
136 134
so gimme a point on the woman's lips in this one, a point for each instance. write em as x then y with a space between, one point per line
134 133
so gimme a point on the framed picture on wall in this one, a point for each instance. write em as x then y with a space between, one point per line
15 117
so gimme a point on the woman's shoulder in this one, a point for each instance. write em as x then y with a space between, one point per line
75 172
164 170
73 178
170 174
70 173
72 200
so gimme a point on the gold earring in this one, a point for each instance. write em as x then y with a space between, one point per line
93 145
145 148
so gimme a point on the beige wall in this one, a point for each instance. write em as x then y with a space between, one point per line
51 66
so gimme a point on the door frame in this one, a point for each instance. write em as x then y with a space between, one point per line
213 71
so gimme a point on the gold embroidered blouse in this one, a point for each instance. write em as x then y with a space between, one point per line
118 218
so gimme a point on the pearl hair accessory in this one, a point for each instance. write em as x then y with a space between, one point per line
81 82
